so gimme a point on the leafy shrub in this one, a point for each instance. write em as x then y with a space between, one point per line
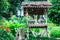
55 32
14 23
5 34
18 19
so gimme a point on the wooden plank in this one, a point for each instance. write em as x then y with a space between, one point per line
19 34
36 6
37 3
40 4
38 25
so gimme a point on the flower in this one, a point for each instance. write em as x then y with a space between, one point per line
2 26
7 29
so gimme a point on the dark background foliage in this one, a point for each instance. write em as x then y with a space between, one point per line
54 12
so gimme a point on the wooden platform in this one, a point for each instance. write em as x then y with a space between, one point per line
38 25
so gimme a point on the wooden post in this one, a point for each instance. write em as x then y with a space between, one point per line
26 13
35 18
45 12
46 18
19 34
47 31
27 25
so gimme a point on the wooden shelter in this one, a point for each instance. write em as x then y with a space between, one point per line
36 8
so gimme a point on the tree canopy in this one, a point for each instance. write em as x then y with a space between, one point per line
6 6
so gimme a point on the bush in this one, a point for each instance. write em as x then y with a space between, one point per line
55 32
14 23
5 34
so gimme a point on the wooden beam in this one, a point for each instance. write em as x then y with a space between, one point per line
36 6
38 25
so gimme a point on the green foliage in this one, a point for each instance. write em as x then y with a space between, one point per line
18 19
7 6
4 35
4 5
4 8
16 23
37 0
15 2
55 32
54 12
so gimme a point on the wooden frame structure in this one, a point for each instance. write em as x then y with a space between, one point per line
44 5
